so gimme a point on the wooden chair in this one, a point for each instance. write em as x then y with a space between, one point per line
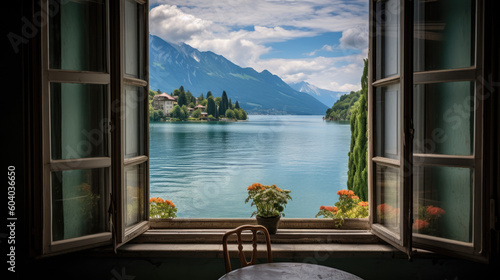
254 229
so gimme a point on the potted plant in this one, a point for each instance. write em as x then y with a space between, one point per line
270 202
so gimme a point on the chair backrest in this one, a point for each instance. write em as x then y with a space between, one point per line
254 229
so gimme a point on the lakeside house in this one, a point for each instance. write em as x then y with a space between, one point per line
201 107
164 102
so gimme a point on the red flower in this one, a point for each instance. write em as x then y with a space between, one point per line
420 224
385 208
435 211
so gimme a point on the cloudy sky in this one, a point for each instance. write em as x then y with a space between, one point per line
322 42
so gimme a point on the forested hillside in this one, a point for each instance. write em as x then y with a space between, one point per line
342 109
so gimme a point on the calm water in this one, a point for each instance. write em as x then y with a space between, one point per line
205 168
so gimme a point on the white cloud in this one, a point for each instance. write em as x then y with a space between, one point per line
355 38
173 25
333 73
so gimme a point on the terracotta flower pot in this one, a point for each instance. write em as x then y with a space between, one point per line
271 223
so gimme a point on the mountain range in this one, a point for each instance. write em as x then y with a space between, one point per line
174 65
326 97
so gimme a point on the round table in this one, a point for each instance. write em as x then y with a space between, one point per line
288 271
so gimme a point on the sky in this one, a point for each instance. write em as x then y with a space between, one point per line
322 42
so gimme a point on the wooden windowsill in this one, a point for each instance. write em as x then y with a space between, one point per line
295 239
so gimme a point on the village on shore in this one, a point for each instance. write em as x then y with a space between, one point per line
181 105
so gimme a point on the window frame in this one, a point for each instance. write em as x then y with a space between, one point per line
114 80
476 250
49 76
401 240
121 233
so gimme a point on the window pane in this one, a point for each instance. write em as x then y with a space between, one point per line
79 123
134 130
387 40
387 121
444 118
80 43
387 186
444 34
79 203
134 193
443 202
133 39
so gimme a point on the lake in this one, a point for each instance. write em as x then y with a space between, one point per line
205 168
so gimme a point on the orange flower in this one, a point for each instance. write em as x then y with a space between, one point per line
435 211
385 208
420 224
169 202
255 186
329 208
156 200
348 193
363 203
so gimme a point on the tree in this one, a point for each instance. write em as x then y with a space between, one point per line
185 112
179 112
196 114
200 99
237 105
209 94
182 100
225 103
240 114
230 114
357 177
211 107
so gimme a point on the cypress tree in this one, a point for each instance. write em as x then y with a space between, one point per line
357 179
182 100
225 103
211 108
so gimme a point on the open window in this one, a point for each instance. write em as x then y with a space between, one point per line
425 124
95 155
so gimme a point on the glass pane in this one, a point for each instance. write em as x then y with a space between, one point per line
79 203
387 193
444 118
387 40
134 129
133 39
442 202
79 120
134 193
444 34
77 35
387 121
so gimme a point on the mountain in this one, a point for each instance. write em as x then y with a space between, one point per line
326 97
173 65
